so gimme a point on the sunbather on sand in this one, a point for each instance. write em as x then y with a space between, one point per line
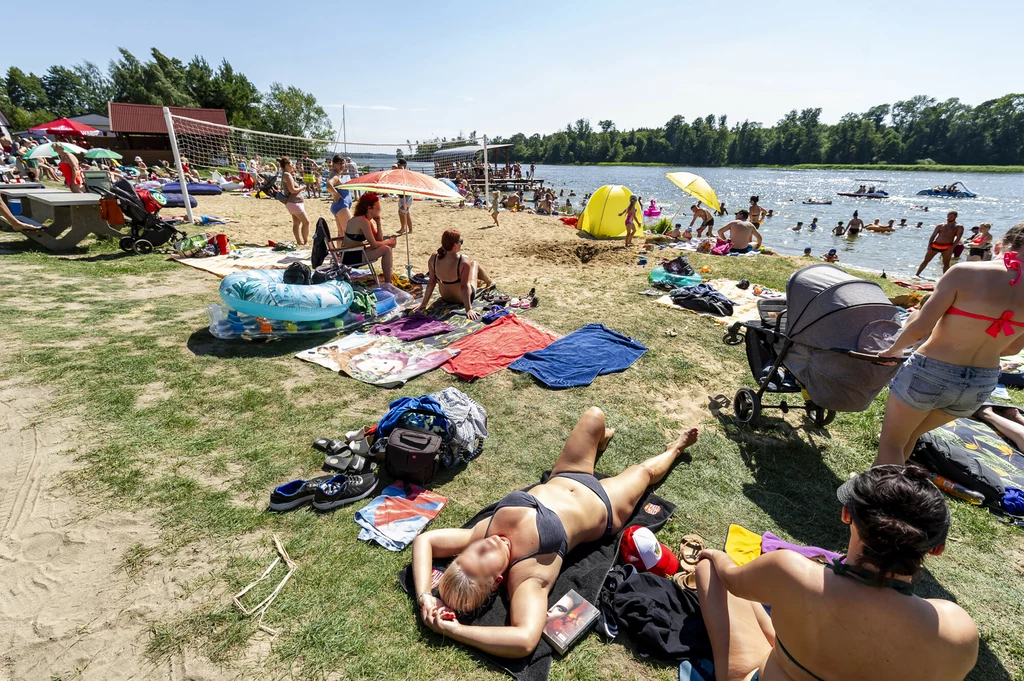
456 277
524 542
853 620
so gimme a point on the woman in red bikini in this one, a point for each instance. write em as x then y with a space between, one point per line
974 317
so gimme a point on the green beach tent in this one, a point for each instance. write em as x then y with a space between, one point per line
601 217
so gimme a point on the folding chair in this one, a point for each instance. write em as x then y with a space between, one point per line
325 245
96 181
337 253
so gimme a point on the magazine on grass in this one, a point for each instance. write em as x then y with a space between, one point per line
568 621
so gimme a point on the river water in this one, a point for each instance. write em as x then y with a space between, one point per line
1000 201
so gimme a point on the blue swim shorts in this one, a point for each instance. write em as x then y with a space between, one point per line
924 384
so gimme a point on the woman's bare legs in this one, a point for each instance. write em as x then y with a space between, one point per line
901 428
304 221
478 275
341 219
741 637
627 488
296 223
589 436
1011 428
384 253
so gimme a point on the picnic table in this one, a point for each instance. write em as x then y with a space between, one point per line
73 217
21 185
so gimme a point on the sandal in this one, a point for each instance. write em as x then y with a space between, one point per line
349 465
686 579
330 447
690 549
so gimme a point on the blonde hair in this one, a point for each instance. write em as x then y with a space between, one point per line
462 593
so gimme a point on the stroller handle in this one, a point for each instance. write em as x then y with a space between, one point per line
874 359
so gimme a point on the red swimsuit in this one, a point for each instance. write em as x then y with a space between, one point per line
1004 323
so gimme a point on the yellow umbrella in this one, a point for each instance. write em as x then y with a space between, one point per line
697 187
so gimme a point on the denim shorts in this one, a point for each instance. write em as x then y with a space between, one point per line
925 384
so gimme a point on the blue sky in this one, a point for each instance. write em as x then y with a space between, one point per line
418 69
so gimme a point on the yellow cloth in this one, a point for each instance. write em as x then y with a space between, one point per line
742 545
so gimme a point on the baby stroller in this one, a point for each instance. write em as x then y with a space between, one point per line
824 344
148 230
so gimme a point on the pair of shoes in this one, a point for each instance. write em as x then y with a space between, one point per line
347 457
689 556
350 444
325 492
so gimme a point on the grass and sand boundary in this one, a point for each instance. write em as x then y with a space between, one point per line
184 435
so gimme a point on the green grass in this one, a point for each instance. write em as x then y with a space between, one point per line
194 432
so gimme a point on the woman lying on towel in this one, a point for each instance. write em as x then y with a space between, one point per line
852 620
522 545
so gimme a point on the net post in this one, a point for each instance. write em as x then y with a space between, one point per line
487 175
177 162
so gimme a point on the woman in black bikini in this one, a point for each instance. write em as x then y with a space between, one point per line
456 277
361 232
858 619
523 543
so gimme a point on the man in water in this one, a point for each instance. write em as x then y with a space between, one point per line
740 231
798 227
706 219
756 212
943 240
855 225
903 222
839 230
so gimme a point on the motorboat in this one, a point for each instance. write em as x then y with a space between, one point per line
957 190
865 195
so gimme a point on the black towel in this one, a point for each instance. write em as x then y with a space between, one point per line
583 569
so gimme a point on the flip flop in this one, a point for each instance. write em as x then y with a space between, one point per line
329 446
690 548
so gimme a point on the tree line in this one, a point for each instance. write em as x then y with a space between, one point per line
918 130
64 91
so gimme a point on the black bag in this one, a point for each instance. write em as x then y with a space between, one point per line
413 456
680 265
298 273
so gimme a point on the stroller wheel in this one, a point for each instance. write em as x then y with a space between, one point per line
821 416
732 338
143 247
746 405
126 244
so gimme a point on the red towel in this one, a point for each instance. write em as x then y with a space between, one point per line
495 346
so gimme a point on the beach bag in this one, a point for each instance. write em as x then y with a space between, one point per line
298 273
189 246
111 212
680 265
413 456
722 247
281 196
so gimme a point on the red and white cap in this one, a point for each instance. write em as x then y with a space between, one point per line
642 550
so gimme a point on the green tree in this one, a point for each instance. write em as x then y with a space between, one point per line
25 91
290 111
65 91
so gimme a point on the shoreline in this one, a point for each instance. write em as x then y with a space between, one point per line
938 168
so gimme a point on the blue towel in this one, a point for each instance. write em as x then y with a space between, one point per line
405 404
581 357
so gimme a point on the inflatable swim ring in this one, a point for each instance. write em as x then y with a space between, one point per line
882 230
652 213
263 293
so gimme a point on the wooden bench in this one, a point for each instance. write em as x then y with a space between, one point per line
74 217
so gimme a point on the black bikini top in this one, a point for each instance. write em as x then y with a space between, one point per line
869 578
458 272
550 531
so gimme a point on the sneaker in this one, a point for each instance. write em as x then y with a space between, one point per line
344 489
295 493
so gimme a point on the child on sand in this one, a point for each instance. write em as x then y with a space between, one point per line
631 219
807 252
494 207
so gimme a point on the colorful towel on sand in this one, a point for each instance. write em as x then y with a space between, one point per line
744 302
743 546
399 514
413 327
914 287
456 317
496 346
249 258
580 357
378 360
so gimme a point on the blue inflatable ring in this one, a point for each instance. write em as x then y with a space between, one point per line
263 293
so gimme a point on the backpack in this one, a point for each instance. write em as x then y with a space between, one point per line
298 273
413 456
680 265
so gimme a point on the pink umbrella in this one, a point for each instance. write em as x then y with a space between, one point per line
406 183
63 126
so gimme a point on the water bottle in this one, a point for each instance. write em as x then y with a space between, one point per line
957 490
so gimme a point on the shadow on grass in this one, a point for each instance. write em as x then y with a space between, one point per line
202 343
